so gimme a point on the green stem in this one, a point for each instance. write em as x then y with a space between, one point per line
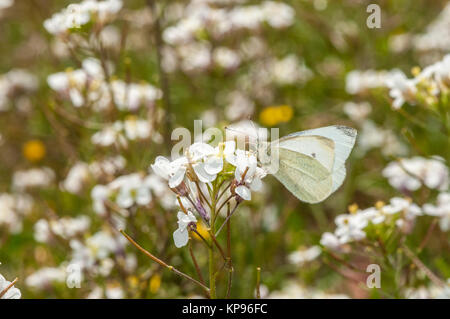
212 277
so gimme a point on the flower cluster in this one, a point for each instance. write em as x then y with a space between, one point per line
188 47
409 174
426 87
191 176
359 82
120 132
87 87
13 208
129 190
200 16
436 35
354 226
77 15
14 86
65 227
33 178
81 173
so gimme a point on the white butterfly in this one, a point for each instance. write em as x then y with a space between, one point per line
312 162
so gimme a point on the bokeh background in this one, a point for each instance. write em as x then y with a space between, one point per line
294 65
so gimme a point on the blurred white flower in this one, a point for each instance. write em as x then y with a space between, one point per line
35 177
44 277
226 58
410 174
330 241
440 210
13 208
15 84
65 227
302 256
77 15
357 112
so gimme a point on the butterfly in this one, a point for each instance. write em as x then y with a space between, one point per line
311 163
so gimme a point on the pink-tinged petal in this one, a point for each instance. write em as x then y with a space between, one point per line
243 192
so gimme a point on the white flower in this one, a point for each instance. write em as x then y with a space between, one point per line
410 174
13 207
35 177
401 88
44 277
350 228
11 293
246 163
76 178
205 169
226 58
79 14
181 235
173 171
65 227
441 210
358 112
303 256
278 14
330 241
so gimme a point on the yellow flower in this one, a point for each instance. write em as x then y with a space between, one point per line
33 150
415 71
202 230
133 281
379 205
155 283
274 115
353 208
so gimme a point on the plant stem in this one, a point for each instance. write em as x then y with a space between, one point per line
162 263
227 219
435 279
194 260
258 282
2 293
212 276
230 262
212 279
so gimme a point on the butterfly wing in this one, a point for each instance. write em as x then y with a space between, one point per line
305 166
344 138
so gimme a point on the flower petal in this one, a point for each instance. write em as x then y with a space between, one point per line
180 237
201 173
214 165
243 192
177 178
